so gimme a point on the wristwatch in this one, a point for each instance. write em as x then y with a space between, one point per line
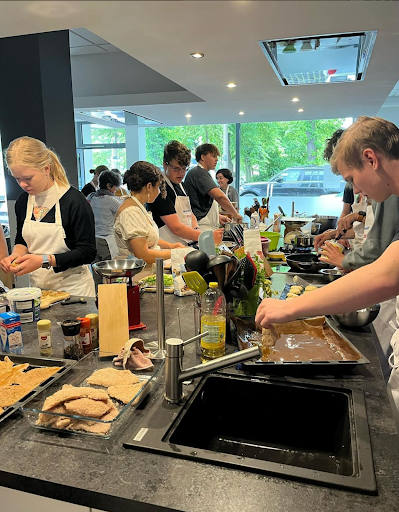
46 262
363 214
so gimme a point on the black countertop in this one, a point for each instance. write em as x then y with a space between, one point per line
102 474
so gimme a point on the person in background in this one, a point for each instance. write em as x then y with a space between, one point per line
367 155
93 184
224 178
203 192
3 244
55 239
173 214
120 191
135 230
105 205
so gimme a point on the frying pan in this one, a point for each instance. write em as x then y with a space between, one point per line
306 262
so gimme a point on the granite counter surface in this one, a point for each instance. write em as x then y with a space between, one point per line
102 474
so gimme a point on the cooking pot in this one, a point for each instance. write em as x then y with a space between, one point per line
315 228
326 222
306 262
304 241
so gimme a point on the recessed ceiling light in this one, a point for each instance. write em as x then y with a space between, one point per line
231 85
188 116
295 100
301 109
241 113
197 55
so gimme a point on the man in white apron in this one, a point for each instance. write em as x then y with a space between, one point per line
205 195
173 214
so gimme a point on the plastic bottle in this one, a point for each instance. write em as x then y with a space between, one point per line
213 320
93 329
85 335
44 335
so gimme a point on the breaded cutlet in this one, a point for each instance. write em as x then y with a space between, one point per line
6 363
88 407
125 392
72 393
11 394
35 376
111 377
93 426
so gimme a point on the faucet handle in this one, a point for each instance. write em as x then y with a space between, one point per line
195 338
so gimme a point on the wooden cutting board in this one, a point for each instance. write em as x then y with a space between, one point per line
50 296
113 322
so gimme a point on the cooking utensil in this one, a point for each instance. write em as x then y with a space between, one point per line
281 210
300 281
250 272
119 267
306 262
275 220
206 243
113 320
195 282
359 318
315 228
218 266
233 288
73 300
331 274
198 261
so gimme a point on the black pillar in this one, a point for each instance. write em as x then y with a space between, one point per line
36 97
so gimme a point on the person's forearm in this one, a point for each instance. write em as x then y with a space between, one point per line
186 232
226 205
151 255
359 289
3 244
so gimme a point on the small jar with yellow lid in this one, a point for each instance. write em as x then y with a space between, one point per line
44 335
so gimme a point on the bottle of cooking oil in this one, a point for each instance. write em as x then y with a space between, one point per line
213 320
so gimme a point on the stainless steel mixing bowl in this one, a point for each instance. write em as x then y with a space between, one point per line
359 318
119 268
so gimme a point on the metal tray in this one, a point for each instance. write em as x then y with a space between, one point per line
35 362
251 365
82 370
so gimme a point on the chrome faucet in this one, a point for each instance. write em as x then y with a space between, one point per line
175 375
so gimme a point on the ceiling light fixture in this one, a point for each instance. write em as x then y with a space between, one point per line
306 47
241 113
197 55
290 48
188 116
231 85
295 99
301 109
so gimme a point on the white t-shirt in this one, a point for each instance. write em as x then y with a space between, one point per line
46 200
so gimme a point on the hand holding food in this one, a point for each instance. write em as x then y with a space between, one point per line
327 235
26 264
331 254
8 263
275 311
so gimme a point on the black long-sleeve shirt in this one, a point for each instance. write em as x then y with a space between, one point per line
78 223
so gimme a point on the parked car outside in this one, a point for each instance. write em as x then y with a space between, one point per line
297 181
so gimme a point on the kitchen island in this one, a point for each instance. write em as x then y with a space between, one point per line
101 474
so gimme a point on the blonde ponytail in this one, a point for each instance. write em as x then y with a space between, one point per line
33 153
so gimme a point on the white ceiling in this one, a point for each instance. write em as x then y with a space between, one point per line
160 35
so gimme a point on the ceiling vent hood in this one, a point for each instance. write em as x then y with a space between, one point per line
320 59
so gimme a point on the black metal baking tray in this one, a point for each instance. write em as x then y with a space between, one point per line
317 365
35 362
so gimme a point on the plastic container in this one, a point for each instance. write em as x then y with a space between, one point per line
44 335
93 329
25 302
213 320
273 237
85 334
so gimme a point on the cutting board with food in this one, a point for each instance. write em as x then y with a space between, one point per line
150 283
50 296
295 290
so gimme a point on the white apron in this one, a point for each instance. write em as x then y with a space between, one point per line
393 360
112 245
183 210
49 238
211 221
359 227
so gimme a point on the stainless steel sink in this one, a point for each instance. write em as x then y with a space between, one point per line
296 430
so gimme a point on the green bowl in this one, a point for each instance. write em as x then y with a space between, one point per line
273 237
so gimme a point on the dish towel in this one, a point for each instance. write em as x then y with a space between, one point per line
133 356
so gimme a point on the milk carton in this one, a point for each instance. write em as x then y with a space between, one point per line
11 333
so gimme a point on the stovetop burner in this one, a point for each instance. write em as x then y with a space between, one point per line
291 249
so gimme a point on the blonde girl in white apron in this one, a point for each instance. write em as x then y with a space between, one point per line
38 169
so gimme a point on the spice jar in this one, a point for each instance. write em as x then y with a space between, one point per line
72 347
85 335
44 335
93 329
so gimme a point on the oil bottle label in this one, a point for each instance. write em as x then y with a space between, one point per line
217 333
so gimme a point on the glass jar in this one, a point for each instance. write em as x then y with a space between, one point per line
72 346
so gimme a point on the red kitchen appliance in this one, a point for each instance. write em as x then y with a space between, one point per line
122 271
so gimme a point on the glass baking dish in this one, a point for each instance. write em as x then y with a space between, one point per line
78 377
